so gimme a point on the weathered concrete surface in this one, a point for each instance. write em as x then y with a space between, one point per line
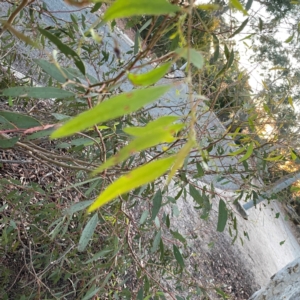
284 285
265 242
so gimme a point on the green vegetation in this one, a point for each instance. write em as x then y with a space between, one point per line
86 212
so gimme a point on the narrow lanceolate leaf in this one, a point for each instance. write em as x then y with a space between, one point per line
289 39
64 48
19 120
222 217
8 143
88 232
180 157
158 136
156 242
151 126
243 25
19 35
290 100
112 108
194 56
37 92
132 180
237 4
237 152
248 4
157 201
178 256
151 77
51 69
128 8
248 153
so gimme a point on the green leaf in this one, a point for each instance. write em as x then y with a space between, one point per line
19 35
78 207
98 255
151 126
51 69
144 217
132 180
290 100
37 92
151 77
237 4
221 293
192 55
64 48
96 7
87 232
248 4
110 109
248 153
8 143
230 59
20 120
274 158
128 8
222 217
200 171
39 134
178 236
148 140
210 7
178 256
281 243
93 291
156 242
180 157
243 25
216 43
157 201
260 24
289 39
196 195
237 152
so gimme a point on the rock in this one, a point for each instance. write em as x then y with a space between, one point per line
285 284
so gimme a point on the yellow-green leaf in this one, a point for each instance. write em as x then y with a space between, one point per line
210 7
110 109
289 39
128 8
293 154
290 99
237 152
150 77
248 153
141 143
19 35
180 157
274 158
158 123
132 180
237 4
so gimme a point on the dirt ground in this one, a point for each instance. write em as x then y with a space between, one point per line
265 244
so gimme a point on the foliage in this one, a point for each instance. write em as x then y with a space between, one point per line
115 151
